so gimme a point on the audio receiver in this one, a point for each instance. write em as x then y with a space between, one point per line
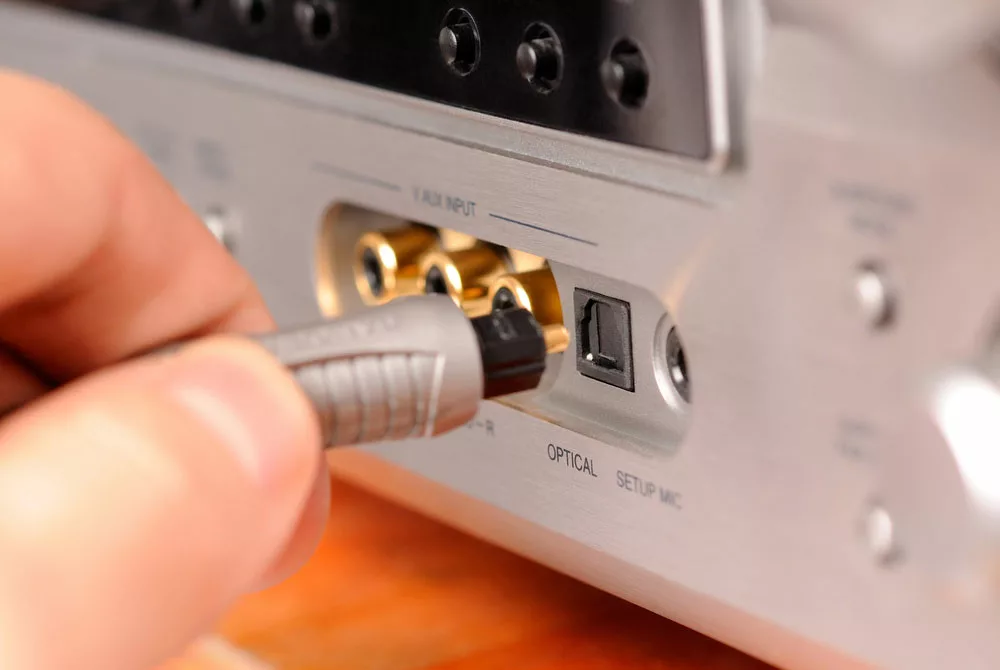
761 238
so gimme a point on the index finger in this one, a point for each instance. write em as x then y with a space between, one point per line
99 258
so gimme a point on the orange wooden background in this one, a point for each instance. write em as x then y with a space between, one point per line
391 590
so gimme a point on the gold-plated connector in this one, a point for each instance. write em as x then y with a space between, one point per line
537 292
387 262
464 275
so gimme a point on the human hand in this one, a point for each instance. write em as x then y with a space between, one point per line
137 501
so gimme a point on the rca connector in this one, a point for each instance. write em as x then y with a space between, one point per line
387 262
537 292
464 275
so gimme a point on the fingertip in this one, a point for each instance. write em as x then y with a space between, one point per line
253 405
138 503
306 537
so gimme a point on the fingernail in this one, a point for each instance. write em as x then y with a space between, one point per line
248 400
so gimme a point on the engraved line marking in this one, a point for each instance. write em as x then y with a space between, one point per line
363 400
434 396
393 393
326 168
544 230
327 418
349 379
418 408
387 397
334 426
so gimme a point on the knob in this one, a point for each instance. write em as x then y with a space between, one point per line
540 58
317 20
458 42
253 13
625 75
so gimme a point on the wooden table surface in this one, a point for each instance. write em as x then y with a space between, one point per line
391 590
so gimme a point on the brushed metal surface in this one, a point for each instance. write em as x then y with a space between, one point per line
803 418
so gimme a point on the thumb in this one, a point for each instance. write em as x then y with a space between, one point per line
136 504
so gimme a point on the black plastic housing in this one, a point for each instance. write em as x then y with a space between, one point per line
513 349
395 45
604 339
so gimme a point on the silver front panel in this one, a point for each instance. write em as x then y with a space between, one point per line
805 506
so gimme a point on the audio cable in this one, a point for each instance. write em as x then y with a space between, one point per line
414 367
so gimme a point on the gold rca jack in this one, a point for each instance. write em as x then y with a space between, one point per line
387 262
535 291
464 275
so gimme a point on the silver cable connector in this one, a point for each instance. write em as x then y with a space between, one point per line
415 367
